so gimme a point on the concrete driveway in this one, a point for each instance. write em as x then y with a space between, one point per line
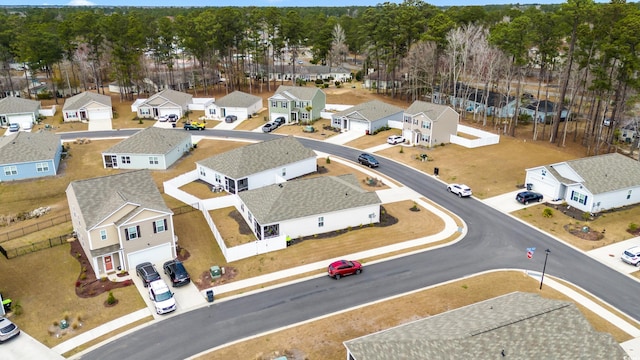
610 255
507 203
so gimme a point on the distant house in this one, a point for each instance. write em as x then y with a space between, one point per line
87 106
367 117
29 155
257 165
334 73
237 103
429 124
305 207
546 110
150 148
121 220
513 326
382 81
297 103
15 110
166 102
590 184
281 72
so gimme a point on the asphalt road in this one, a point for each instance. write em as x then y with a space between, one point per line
493 241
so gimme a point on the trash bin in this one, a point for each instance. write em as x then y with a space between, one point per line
366 132
215 272
529 186
436 171
173 125
210 295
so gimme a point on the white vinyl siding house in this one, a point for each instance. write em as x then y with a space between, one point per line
237 103
87 106
15 110
367 117
166 102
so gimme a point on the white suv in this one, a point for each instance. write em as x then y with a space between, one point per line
162 297
461 190
632 256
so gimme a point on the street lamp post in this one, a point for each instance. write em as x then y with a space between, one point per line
544 267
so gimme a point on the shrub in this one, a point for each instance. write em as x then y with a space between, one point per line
547 213
328 160
83 276
633 227
111 299
586 216
319 81
401 150
103 278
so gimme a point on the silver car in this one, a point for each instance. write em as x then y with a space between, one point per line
7 329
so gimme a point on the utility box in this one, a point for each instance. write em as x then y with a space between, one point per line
210 295
215 272
436 171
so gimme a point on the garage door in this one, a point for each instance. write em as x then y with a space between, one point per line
155 255
99 114
359 126
20 119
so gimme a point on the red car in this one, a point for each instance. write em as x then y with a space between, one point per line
342 268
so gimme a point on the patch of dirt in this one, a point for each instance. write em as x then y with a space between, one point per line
572 212
243 228
579 231
204 281
88 285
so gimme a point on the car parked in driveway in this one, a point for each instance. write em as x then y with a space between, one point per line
176 271
368 160
526 197
161 297
269 127
632 256
395 139
163 118
230 118
8 329
147 272
172 118
280 120
340 268
461 190
14 127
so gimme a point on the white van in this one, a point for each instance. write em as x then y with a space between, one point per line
162 297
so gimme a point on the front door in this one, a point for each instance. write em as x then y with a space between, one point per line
108 263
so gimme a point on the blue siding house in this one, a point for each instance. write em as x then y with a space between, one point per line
29 155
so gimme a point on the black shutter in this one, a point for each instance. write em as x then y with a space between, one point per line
165 225
126 233
138 230
154 228
585 199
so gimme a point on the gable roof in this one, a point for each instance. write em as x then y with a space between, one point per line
16 105
371 110
176 97
102 196
523 325
152 140
306 197
544 106
602 173
258 157
83 99
297 92
431 110
25 146
323 69
238 99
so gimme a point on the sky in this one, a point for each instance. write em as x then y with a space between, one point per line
244 3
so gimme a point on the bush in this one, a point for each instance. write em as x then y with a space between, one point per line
633 227
328 160
111 299
547 213
319 82
586 216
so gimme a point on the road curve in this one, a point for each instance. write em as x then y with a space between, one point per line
494 241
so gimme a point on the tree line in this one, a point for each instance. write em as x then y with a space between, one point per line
582 54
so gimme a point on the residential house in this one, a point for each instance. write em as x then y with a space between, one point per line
306 207
628 133
334 73
29 155
382 81
121 220
367 117
15 110
257 165
282 72
591 184
150 148
237 103
514 326
87 106
297 103
166 102
429 124
546 110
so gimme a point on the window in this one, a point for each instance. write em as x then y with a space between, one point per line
132 232
580 198
212 111
285 104
304 115
250 217
321 221
242 207
218 179
145 111
126 160
10 170
629 195
407 119
42 167
202 172
159 226
426 138
426 124
103 234
284 171
153 160
274 104
336 122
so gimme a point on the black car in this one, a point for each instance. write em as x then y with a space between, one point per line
176 271
172 118
526 197
147 272
230 118
279 121
368 160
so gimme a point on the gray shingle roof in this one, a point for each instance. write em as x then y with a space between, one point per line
524 325
238 99
604 173
370 111
24 147
151 140
299 198
84 99
100 197
254 158
176 97
431 110
297 92
16 105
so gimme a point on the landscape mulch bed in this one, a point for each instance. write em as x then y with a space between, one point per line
88 285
